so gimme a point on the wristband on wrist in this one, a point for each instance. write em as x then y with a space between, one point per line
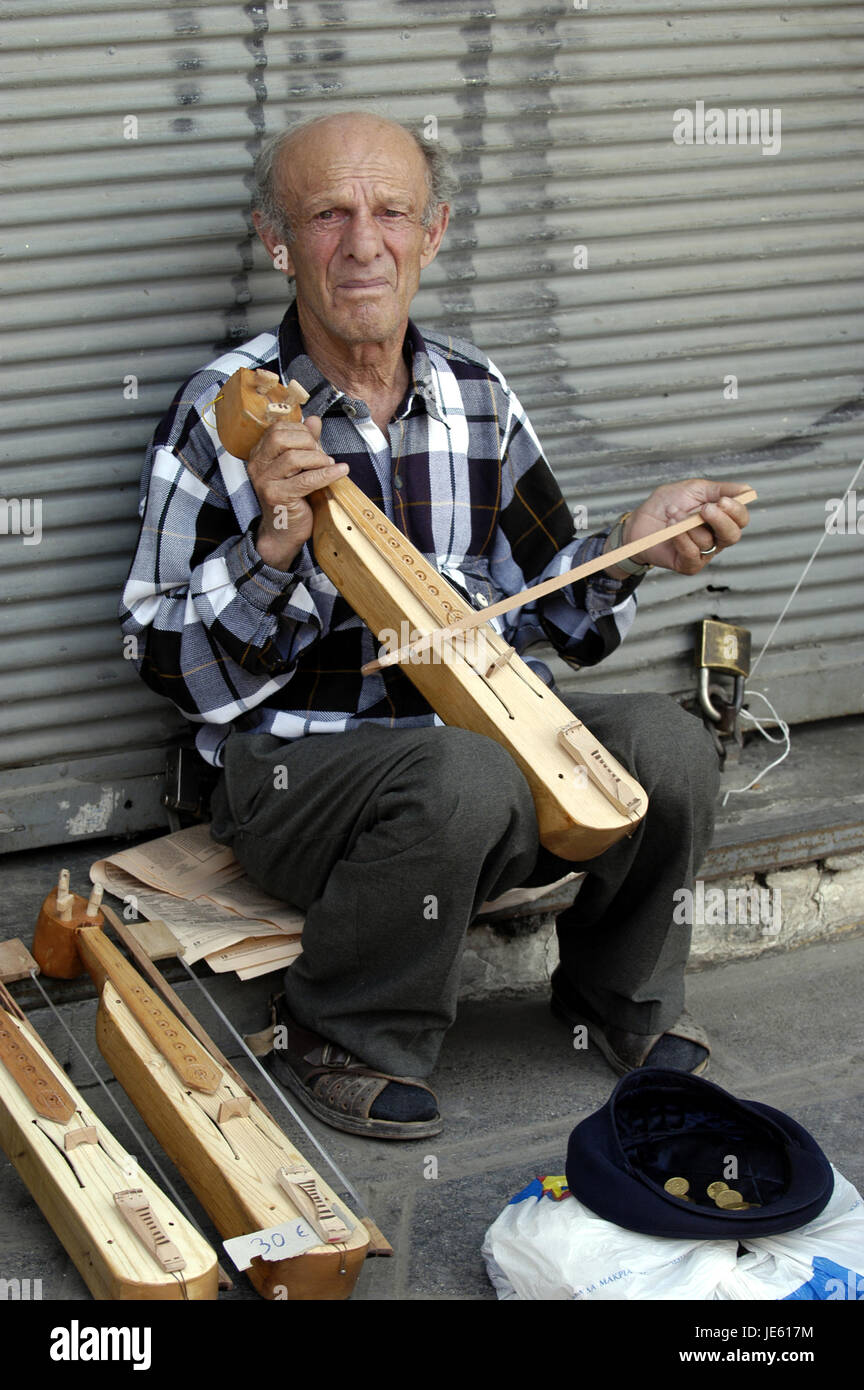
616 538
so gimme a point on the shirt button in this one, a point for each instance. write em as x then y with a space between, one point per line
398 483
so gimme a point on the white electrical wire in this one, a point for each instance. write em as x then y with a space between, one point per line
784 730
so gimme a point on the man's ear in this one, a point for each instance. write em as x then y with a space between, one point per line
434 236
277 248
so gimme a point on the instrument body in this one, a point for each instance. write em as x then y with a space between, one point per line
230 1153
82 1179
585 800
510 704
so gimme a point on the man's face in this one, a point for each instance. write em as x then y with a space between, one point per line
354 189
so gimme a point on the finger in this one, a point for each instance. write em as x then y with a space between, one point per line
287 434
737 510
288 464
311 479
701 537
718 490
726 529
301 484
688 550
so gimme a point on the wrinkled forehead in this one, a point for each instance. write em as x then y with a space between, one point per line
342 160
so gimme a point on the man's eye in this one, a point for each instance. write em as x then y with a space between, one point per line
393 212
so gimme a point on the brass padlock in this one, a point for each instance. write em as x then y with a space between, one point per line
722 647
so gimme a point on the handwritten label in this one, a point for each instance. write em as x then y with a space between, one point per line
275 1243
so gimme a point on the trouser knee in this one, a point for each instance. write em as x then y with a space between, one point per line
485 788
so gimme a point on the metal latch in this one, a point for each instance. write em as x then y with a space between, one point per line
722 648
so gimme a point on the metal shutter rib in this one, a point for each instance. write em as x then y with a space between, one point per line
133 257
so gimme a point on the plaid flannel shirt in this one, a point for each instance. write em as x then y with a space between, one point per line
237 644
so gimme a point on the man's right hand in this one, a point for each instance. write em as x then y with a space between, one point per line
286 465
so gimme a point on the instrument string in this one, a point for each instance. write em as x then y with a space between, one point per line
781 723
819 544
163 1178
360 1206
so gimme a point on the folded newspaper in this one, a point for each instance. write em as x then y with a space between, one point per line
209 905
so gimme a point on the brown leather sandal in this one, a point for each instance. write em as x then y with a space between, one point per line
626 1052
341 1089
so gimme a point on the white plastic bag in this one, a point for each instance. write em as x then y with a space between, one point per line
539 1248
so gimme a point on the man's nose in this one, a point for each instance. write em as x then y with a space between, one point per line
362 238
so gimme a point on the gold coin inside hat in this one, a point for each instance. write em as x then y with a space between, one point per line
676 1187
729 1199
715 1188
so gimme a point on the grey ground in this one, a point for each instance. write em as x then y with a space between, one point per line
786 1030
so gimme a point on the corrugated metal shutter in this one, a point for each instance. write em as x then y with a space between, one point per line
131 257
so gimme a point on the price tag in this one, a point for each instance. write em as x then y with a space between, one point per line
276 1243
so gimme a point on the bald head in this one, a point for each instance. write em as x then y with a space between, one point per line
286 149
354 191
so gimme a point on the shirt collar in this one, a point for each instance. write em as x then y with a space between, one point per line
295 362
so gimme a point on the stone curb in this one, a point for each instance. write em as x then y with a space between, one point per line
733 919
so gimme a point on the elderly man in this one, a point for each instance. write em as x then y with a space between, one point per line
343 794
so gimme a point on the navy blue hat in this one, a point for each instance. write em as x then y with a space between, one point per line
660 1124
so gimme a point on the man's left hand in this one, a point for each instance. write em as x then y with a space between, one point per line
724 520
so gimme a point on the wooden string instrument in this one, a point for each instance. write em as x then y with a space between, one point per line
584 798
243 1169
124 1236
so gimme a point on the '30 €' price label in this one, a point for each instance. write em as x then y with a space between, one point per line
275 1243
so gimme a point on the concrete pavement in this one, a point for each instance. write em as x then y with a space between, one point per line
787 1030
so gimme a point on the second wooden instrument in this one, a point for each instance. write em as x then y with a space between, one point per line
127 1240
243 1169
585 800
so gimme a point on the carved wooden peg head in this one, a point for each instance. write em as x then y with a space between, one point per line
242 408
55 945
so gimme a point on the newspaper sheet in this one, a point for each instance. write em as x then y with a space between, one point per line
205 899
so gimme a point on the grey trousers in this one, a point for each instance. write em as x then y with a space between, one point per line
390 840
